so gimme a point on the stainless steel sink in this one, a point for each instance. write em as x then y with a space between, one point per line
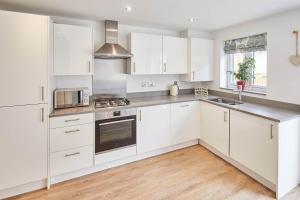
226 101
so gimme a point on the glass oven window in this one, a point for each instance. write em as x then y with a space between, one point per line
116 131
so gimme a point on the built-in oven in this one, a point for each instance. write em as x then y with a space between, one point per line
115 129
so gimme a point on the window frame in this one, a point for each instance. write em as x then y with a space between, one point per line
231 83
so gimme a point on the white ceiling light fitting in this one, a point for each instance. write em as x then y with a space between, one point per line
191 20
128 8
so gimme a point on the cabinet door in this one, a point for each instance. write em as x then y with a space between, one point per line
201 58
253 143
214 126
153 128
23 58
23 145
174 55
185 124
147 53
73 50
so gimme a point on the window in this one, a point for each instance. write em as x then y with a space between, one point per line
236 51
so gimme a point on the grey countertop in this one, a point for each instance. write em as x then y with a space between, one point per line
268 112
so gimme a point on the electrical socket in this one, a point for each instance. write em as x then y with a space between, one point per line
144 84
151 84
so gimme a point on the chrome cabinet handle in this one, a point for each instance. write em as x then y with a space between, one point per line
72 120
271 132
225 116
43 93
72 131
165 67
43 112
115 122
193 75
89 66
140 115
134 69
184 106
72 154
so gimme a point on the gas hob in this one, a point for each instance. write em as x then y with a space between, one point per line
111 102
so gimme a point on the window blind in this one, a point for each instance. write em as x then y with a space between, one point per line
246 44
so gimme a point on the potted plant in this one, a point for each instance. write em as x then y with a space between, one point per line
243 75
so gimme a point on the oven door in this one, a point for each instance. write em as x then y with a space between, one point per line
115 133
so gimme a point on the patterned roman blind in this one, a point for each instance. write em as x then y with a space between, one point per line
246 44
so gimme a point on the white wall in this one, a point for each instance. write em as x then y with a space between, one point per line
134 83
283 78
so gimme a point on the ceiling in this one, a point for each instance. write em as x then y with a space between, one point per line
209 15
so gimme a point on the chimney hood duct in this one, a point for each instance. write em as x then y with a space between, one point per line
111 49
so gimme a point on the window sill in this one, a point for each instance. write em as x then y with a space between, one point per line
246 91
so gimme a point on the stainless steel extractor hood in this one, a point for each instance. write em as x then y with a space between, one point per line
111 49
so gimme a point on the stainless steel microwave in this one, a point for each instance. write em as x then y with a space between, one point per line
70 97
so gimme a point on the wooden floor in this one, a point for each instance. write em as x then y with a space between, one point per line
187 174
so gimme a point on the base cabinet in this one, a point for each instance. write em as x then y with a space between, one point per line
71 160
185 124
153 128
23 145
253 143
71 143
214 123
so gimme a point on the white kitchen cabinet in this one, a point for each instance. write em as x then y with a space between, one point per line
214 126
71 120
23 58
185 124
147 54
174 55
71 143
23 144
200 60
71 160
73 50
157 54
253 143
153 128
71 137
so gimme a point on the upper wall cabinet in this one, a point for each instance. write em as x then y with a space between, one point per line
23 58
200 60
157 54
174 55
147 53
73 50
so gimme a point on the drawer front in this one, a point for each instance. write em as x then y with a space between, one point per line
71 120
115 155
71 137
71 160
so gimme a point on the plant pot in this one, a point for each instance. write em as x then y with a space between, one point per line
242 83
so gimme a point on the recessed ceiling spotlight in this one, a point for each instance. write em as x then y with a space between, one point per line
128 8
191 19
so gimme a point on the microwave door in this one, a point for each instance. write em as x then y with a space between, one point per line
69 99
59 99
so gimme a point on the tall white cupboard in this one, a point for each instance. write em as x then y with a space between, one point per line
23 102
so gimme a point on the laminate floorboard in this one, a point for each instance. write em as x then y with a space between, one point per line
192 173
